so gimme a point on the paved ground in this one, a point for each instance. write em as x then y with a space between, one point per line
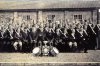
91 56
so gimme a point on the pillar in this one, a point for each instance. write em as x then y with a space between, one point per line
39 17
15 17
92 15
97 16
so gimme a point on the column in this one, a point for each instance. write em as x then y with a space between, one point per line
39 17
15 17
92 15
97 16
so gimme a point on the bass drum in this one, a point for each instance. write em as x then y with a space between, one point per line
36 51
54 51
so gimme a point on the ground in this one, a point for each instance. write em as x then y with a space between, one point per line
91 56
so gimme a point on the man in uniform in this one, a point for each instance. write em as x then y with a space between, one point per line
24 36
97 29
72 39
17 44
32 37
92 36
1 39
7 41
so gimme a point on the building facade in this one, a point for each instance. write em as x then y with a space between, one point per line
63 12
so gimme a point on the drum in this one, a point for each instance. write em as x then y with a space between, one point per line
36 51
54 51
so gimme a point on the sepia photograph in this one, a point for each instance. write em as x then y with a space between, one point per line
49 32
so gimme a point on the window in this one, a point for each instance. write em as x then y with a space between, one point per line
26 17
50 18
78 17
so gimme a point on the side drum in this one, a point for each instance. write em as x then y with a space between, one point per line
54 51
36 51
